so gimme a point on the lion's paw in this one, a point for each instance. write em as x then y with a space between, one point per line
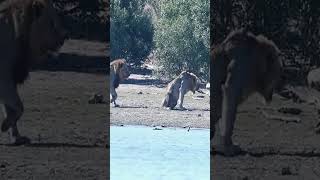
182 108
230 150
22 140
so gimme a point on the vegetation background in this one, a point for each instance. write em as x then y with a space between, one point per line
171 35
294 25
174 35
85 19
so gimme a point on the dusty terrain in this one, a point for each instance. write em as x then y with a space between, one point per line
140 100
273 149
68 134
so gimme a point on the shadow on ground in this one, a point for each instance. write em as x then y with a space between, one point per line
55 145
75 63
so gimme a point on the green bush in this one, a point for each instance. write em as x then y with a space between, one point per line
182 38
131 32
292 24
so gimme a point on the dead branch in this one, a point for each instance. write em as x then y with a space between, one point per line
281 118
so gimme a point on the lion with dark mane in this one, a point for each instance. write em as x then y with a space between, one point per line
241 65
29 32
118 72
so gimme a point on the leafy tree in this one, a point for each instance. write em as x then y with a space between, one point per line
182 37
131 31
84 18
292 24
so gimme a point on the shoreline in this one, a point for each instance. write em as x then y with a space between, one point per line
158 126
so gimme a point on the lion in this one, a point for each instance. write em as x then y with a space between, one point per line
118 72
180 86
241 65
30 31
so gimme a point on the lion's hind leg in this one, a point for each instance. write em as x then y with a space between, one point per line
182 92
169 101
173 102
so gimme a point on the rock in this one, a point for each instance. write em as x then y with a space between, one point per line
96 99
293 93
245 178
287 110
4 165
286 171
77 101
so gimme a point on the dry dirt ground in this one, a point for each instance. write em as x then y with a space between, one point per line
272 149
140 100
68 134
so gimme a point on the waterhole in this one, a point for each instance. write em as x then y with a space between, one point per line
149 153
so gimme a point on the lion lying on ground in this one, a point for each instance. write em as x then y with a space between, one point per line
118 72
241 65
178 87
29 31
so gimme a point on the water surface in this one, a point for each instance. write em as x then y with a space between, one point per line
142 153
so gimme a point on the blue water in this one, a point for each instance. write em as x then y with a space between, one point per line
141 153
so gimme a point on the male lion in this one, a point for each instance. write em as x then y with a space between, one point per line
178 87
241 65
118 72
29 31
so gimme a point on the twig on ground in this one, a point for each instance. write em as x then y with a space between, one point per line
200 91
281 118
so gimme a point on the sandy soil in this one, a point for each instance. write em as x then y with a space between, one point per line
272 149
68 134
140 99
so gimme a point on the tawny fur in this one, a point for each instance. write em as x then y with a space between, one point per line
178 87
241 65
118 72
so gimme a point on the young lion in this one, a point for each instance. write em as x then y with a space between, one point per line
118 72
178 87
242 64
